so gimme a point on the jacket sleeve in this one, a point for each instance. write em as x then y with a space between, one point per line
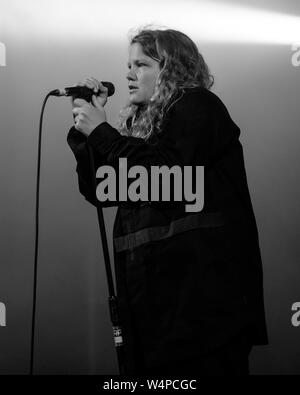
186 139
78 144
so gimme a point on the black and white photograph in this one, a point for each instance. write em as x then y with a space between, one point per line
150 199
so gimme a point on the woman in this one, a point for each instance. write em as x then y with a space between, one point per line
189 284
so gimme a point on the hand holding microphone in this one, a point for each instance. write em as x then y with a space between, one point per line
89 115
100 89
82 89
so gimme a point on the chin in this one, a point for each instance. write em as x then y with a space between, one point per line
137 99
133 97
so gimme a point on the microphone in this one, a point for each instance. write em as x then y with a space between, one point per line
82 92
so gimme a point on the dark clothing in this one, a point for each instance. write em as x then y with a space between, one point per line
187 283
230 359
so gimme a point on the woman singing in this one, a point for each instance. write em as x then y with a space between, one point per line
189 284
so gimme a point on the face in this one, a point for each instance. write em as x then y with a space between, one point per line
142 75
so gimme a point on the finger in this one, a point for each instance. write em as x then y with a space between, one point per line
95 83
78 118
76 121
80 102
84 83
82 111
77 124
97 103
90 84
76 110
94 80
103 90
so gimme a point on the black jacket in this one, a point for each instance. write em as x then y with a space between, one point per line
186 282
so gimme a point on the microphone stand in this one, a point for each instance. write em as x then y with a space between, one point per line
112 299
86 94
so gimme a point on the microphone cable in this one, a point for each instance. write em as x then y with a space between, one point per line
36 246
113 303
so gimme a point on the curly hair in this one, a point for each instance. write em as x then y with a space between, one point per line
181 66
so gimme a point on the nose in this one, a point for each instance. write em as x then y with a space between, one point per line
131 76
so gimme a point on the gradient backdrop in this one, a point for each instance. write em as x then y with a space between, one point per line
52 44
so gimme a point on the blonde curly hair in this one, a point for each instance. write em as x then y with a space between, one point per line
181 66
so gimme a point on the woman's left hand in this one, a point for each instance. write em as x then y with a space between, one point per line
88 116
